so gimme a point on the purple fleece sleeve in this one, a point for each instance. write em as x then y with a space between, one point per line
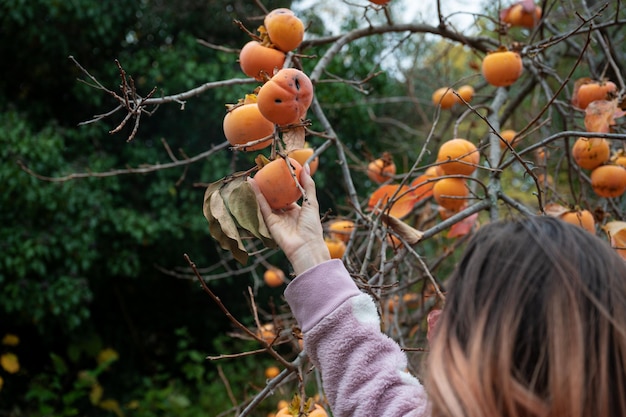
363 370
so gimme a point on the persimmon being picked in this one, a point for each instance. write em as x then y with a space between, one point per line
589 153
259 61
284 29
277 183
502 68
244 123
458 157
286 97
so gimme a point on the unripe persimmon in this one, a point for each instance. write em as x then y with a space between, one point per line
451 193
274 277
284 29
285 98
244 123
609 180
444 97
381 169
589 153
581 218
302 155
502 68
458 157
277 183
259 61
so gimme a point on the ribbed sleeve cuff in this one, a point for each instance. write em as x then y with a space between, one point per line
318 291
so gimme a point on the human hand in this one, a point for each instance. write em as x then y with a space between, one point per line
297 229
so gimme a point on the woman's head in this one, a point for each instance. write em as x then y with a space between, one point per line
534 325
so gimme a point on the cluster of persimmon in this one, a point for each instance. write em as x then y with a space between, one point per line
608 171
446 98
445 181
279 105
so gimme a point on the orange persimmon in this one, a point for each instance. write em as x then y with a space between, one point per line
381 169
277 183
458 157
589 153
609 180
284 29
244 123
259 61
451 193
286 97
502 68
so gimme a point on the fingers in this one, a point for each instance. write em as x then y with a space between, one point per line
309 188
266 210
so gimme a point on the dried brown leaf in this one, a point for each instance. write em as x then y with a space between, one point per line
229 238
555 209
406 232
294 138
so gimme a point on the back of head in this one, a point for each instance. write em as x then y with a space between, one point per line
534 325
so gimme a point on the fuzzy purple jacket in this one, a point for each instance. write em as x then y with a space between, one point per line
363 370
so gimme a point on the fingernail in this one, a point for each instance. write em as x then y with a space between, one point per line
307 169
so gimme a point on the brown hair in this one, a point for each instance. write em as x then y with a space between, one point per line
534 325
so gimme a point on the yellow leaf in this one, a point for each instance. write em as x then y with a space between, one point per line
95 395
10 340
111 405
107 355
10 363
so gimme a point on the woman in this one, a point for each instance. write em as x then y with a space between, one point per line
534 324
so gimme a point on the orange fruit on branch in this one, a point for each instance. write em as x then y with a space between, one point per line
285 98
589 153
244 123
458 157
278 184
581 218
272 372
466 92
274 277
302 155
336 247
508 135
381 169
284 29
519 15
444 97
341 229
259 61
400 206
451 193
587 90
609 180
502 68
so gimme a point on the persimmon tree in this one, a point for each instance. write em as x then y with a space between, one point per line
520 114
